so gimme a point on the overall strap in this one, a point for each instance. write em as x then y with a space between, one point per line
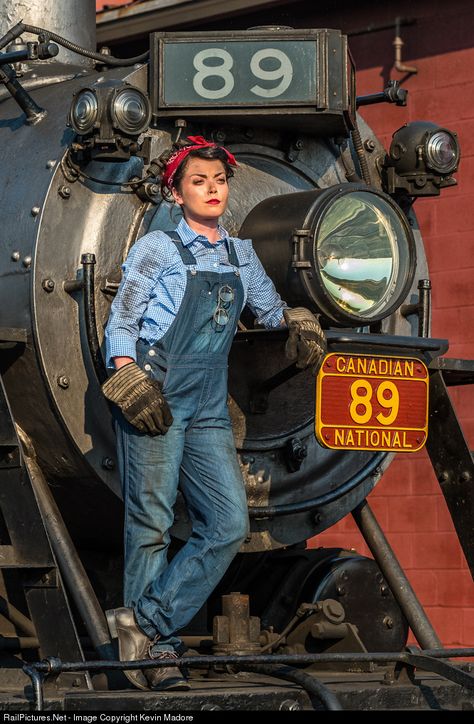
186 256
233 258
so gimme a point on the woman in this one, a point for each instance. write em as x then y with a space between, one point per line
168 338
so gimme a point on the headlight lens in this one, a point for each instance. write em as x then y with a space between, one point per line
363 251
442 152
131 111
84 111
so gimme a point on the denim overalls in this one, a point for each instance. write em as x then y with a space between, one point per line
198 451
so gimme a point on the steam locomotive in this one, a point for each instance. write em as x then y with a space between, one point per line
331 217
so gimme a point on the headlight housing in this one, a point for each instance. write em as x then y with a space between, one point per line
109 118
347 251
421 160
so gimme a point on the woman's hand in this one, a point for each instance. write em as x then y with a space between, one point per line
306 341
140 399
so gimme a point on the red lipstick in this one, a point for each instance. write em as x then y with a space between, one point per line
213 201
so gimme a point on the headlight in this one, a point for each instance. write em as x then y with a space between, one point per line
362 249
421 160
442 152
131 111
84 111
347 251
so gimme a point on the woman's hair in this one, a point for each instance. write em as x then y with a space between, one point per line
209 153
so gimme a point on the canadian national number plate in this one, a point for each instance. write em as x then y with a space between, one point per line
370 402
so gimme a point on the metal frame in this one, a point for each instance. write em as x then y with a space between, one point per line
428 660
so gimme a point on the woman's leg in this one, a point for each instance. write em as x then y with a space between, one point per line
149 469
212 485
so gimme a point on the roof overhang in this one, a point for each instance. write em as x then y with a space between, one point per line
139 19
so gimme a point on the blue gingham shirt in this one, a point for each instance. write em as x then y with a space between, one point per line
154 281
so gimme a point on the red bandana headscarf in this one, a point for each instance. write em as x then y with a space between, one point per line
177 158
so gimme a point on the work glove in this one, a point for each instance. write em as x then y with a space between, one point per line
306 341
140 399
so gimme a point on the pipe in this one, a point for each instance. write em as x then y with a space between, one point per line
18 643
33 112
310 684
359 149
16 617
37 684
68 559
88 262
74 19
398 45
396 579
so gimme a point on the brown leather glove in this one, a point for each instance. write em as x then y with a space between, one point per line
140 399
306 341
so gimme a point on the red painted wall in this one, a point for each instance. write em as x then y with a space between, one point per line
408 501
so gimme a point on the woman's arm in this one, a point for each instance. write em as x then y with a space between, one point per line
140 274
262 297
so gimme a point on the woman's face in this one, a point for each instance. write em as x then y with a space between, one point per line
203 191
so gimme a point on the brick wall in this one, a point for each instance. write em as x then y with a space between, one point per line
407 501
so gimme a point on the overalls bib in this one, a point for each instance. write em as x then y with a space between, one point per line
198 451
191 358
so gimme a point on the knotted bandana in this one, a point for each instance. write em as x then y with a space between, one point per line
178 157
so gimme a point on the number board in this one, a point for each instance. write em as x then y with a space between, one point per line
239 72
301 78
366 402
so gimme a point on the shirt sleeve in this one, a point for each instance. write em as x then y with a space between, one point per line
141 271
262 297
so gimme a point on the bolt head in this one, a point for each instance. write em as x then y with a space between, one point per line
48 285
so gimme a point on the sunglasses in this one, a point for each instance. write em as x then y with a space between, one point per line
225 297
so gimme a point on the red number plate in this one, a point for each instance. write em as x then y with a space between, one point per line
370 402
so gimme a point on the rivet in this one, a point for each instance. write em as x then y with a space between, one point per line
152 353
108 463
63 381
147 367
35 210
443 477
27 261
15 256
50 164
388 622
